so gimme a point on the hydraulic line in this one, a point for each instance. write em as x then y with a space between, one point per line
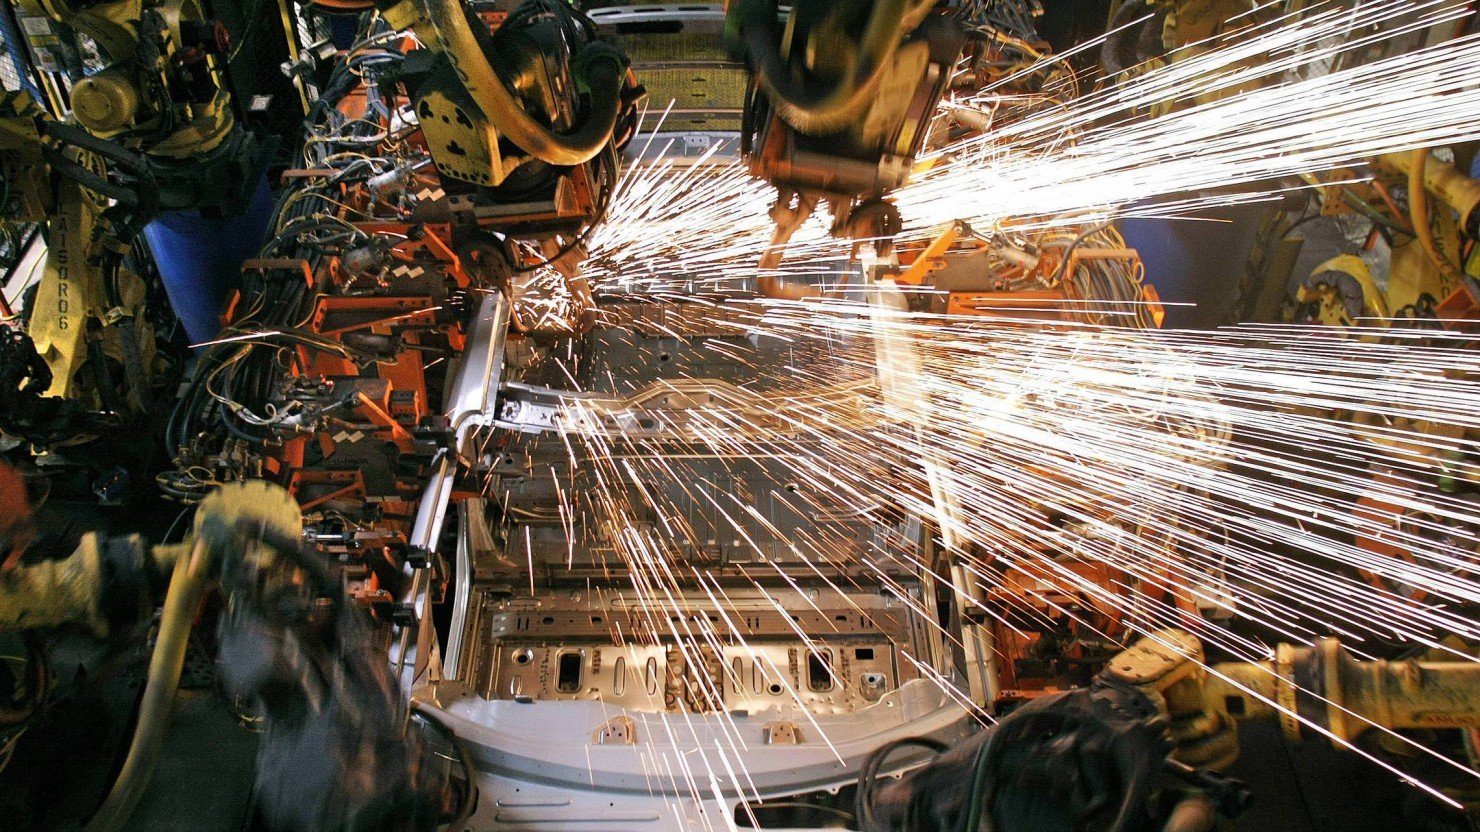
1418 207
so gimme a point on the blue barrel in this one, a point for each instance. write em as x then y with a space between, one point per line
1196 261
200 258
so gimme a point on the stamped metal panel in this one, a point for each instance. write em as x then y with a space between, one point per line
695 659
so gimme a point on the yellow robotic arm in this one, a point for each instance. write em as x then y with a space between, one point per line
160 90
1150 736
106 581
1316 690
465 112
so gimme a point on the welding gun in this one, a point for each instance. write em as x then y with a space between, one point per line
332 756
842 96
1142 748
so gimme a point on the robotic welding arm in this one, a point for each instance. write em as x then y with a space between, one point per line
842 96
1142 748
333 755
474 91
845 70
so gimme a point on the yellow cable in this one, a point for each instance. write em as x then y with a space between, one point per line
187 585
1418 208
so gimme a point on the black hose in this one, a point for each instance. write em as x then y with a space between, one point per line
90 180
863 808
146 191
75 136
464 757
1061 269
1118 53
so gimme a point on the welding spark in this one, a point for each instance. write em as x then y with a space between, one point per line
1212 474
700 226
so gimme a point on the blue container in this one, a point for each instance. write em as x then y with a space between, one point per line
200 258
1196 261
343 29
